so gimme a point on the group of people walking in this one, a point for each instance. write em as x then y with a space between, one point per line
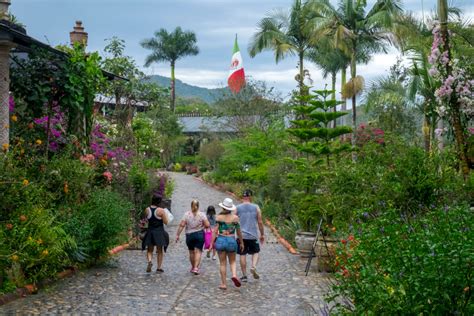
236 230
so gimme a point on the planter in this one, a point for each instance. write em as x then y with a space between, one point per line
304 242
325 252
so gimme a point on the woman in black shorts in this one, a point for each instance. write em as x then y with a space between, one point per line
194 221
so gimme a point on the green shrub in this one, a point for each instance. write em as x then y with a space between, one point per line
138 178
413 265
100 223
177 167
34 246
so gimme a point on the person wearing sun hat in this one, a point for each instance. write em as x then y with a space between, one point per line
227 226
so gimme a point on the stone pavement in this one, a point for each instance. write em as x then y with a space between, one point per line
122 287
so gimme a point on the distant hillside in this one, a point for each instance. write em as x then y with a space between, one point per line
188 91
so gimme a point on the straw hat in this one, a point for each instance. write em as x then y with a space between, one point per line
228 204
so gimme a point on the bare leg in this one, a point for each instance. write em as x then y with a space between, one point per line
243 264
232 263
254 260
191 258
149 253
222 268
159 257
197 258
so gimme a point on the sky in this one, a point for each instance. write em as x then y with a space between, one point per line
215 23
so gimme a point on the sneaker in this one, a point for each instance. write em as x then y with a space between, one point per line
214 258
196 271
148 267
254 273
244 279
208 255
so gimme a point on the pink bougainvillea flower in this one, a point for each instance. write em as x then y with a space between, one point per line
108 176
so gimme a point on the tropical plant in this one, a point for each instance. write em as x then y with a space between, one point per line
286 34
354 30
330 59
401 264
170 47
387 104
315 139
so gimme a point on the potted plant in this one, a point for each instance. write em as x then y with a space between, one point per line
316 142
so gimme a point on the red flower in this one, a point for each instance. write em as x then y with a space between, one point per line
9 226
344 241
351 238
23 218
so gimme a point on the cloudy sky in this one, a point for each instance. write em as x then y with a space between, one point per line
215 23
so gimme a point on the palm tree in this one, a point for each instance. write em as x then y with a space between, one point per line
287 34
170 47
355 30
331 60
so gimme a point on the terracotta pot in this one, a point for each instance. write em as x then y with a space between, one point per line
304 242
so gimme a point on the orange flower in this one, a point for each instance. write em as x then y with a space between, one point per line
15 258
38 142
333 229
14 118
351 238
23 218
5 147
466 289
66 187
39 241
9 226
45 252
26 182
31 125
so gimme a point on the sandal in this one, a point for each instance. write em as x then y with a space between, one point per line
160 270
222 287
236 281
196 271
148 267
254 273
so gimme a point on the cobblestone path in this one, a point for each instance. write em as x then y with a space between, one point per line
123 287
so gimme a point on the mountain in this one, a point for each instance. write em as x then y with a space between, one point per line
185 90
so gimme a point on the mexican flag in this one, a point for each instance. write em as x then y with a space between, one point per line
236 79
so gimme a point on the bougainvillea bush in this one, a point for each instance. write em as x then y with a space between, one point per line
404 264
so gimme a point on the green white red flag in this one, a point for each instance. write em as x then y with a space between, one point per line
236 79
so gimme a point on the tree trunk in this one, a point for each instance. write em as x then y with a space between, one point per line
354 105
173 96
344 101
454 101
5 97
333 96
427 131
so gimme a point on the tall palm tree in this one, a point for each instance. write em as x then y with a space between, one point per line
415 39
354 30
170 47
287 34
331 60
